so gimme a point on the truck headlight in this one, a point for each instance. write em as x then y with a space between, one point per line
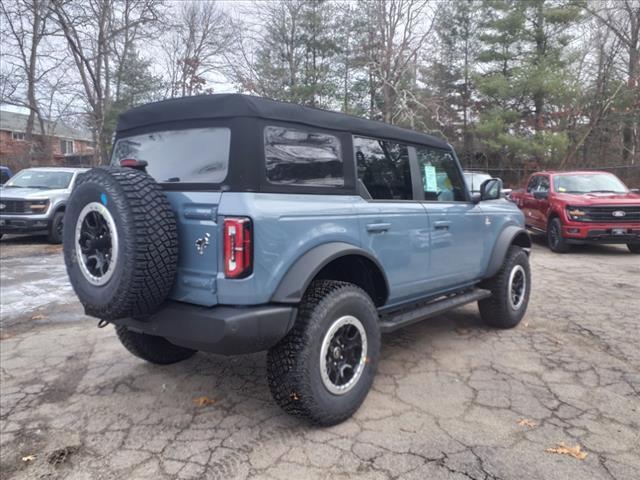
37 206
576 213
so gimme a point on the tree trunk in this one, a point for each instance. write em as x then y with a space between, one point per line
629 131
538 96
466 140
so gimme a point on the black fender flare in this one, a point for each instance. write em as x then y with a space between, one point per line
304 269
60 206
510 234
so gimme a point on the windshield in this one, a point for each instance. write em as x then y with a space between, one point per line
50 180
588 183
197 155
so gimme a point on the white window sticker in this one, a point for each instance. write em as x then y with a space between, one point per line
430 178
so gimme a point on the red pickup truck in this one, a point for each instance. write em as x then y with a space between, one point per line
580 207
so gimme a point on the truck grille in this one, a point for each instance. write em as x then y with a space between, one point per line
13 207
612 214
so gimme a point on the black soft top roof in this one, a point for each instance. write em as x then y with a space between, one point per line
237 105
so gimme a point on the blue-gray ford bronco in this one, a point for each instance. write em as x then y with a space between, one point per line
235 224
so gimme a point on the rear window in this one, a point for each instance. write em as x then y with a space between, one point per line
197 155
297 157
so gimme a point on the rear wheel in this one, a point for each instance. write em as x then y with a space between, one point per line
634 247
323 369
556 241
56 228
510 289
151 348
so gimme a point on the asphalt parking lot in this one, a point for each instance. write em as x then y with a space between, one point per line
452 399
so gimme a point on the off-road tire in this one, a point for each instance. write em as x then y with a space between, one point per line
145 269
293 365
151 348
634 247
557 243
55 233
497 310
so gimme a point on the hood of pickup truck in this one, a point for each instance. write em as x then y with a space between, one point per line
604 199
28 193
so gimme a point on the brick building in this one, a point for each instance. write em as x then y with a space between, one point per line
63 145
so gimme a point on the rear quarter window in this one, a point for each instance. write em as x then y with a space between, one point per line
197 155
302 157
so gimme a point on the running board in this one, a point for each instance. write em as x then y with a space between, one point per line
391 321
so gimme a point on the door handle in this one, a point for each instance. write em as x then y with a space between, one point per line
442 225
378 227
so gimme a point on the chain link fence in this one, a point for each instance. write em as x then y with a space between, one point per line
516 177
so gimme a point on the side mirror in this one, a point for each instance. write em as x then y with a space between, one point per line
540 195
490 189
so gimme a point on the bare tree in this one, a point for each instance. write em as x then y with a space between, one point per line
93 29
134 21
397 30
26 23
196 44
622 17
267 52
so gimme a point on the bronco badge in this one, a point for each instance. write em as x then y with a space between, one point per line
202 243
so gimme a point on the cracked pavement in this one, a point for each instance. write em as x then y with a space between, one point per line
453 399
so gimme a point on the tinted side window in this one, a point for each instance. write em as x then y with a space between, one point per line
441 177
533 184
543 186
383 168
297 157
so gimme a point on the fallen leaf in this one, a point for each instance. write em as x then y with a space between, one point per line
462 331
525 422
562 449
203 401
29 458
38 317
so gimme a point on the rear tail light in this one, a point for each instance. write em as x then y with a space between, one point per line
238 247
133 163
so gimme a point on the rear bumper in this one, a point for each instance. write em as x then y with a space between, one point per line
23 224
222 329
575 232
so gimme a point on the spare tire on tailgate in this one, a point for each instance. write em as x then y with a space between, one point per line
120 243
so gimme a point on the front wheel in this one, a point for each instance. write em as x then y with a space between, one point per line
510 289
323 369
556 241
56 228
634 247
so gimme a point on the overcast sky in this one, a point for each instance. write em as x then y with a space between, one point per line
218 82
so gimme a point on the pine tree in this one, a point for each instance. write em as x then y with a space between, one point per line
295 60
136 85
449 73
524 81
